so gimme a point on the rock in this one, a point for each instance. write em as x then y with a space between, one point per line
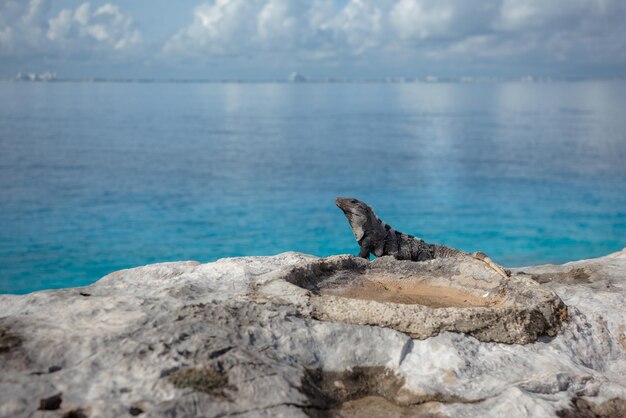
458 294
582 408
51 404
188 339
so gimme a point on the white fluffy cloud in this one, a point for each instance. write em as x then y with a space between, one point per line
366 34
105 27
21 24
430 29
419 20
27 28
315 29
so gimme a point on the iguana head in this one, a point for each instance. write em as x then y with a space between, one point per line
362 218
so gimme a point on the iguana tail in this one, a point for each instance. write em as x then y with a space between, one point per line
483 257
443 251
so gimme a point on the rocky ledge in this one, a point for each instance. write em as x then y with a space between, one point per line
187 340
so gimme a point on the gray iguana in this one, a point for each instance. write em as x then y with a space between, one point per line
376 237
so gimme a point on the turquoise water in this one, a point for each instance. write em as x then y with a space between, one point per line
100 177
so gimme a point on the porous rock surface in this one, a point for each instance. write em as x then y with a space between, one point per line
196 340
458 294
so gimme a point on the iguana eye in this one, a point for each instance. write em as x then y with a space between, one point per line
353 201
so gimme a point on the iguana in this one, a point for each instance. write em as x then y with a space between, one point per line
376 237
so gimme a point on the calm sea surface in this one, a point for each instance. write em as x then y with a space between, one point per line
100 177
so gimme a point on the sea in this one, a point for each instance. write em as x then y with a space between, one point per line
97 177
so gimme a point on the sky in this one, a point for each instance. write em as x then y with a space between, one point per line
269 39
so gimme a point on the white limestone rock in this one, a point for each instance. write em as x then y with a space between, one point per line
188 339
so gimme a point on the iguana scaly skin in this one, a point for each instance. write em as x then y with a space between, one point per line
376 237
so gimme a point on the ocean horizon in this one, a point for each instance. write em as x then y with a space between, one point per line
97 177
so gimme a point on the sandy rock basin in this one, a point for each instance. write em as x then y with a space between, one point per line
385 287
420 299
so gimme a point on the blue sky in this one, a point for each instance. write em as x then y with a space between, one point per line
267 39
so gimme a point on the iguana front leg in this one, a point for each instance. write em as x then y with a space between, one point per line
364 253
365 247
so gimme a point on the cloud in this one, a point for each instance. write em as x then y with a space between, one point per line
27 28
557 30
319 28
21 24
580 31
374 36
449 20
105 27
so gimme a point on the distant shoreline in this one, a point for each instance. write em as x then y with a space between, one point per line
318 81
